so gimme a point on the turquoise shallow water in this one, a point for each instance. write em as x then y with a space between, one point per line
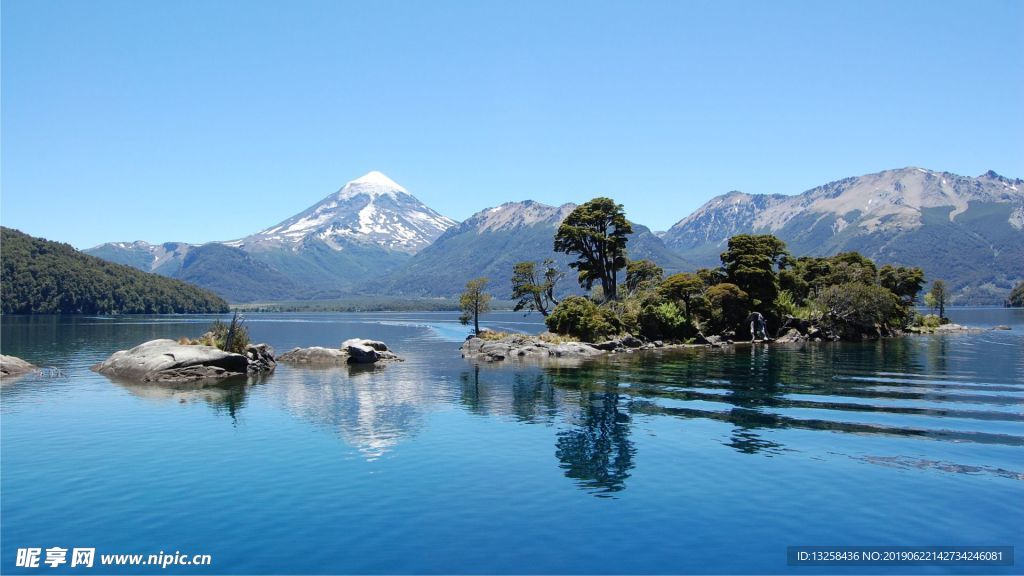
699 461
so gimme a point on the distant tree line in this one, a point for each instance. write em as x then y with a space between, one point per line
44 277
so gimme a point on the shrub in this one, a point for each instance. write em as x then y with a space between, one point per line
664 321
855 309
231 337
728 306
927 320
579 317
785 303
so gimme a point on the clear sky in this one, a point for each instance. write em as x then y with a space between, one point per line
209 120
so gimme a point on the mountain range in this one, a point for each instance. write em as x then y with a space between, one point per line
373 237
967 231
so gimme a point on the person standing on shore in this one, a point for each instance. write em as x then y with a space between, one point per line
757 324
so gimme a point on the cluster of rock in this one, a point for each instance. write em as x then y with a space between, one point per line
523 346
11 366
491 349
952 329
352 351
169 361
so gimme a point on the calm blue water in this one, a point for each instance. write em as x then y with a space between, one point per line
687 462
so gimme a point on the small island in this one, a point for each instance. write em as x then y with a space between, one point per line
761 292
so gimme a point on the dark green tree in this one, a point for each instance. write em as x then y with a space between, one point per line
850 267
857 309
579 317
683 287
728 306
474 301
596 232
750 263
904 282
533 291
640 273
938 293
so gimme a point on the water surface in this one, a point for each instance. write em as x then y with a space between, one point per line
695 461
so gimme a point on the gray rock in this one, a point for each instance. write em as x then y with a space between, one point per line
360 354
632 342
168 361
1001 327
376 345
14 366
261 358
791 335
525 347
608 346
574 350
314 355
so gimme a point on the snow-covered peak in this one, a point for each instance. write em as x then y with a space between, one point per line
372 209
371 184
512 215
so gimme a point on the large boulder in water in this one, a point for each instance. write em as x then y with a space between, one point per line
524 347
363 351
314 355
169 361
11 366
352 351
261 358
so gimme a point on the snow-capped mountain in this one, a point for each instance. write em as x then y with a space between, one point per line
368 228
967 231
372 209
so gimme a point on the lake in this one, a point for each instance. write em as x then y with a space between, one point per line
691 461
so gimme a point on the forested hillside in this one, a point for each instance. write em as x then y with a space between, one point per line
44 277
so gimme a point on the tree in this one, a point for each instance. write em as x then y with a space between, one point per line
938 293
728 306
1016 298
904 282
596 232
856 309
750 264
683 287
850 267
580 317
533 292
474 301
641 273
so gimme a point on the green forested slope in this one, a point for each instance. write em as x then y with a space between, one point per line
44 277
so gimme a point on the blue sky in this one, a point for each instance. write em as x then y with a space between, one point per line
196 121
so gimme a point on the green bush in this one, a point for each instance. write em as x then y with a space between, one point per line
927 320
579 317
855 309
230 337
664 321
786 303
728 307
